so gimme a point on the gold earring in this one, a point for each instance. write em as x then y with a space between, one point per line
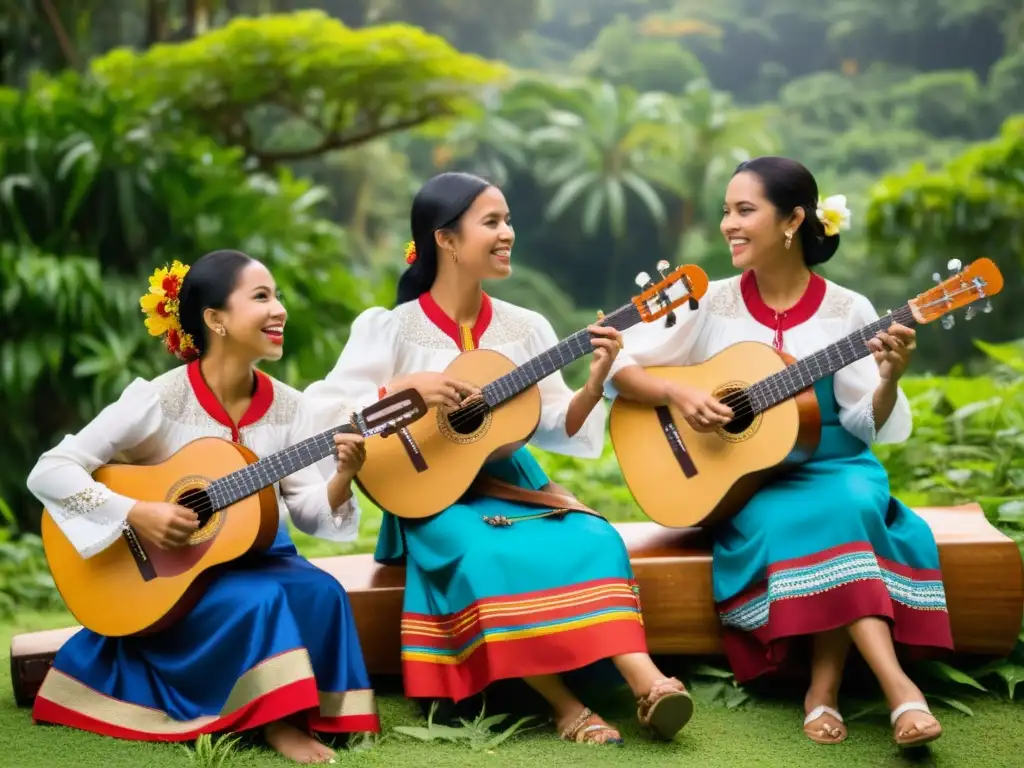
455 256
789 238
221 330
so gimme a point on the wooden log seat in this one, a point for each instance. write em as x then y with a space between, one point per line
981 567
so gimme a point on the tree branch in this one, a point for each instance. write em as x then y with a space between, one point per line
66 46
336 141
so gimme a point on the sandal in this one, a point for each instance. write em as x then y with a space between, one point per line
924 735
666 709
836 735
585 728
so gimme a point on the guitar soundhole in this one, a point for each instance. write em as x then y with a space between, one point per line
743 411
198 500
465 425
466 421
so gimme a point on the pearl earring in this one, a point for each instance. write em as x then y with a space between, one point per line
789 238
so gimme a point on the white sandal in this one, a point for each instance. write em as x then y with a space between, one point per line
924 735
815 714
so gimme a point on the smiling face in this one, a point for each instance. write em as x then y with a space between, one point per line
483 241
754 228
253 318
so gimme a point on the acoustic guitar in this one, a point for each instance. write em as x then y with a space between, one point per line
681 478
428 466
133 586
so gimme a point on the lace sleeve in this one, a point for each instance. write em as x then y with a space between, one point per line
87 512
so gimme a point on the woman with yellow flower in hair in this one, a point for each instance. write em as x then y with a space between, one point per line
823 552
271 644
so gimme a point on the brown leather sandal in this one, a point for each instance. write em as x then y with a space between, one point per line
585 728
666 709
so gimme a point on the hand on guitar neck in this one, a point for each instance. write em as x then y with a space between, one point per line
436 388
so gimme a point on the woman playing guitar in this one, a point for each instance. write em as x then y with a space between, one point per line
498 588
823 551
271 644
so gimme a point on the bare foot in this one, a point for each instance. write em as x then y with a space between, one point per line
586 727
296 745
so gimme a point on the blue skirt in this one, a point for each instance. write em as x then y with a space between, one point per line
270 638
819 548
498 590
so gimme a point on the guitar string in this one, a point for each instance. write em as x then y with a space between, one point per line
480 406
747 401
292 452
742 397
904 314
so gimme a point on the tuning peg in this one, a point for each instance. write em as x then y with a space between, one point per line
954 265
643 279
948 321
600 315
936 277
970 313
662 267
988 306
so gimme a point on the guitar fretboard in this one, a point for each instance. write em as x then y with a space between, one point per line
568 350
263 473
794 378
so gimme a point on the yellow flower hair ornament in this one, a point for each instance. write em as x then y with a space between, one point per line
833 213
410 252
160 305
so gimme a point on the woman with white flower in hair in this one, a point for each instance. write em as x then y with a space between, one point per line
822 553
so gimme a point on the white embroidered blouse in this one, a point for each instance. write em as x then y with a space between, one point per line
418 336
153 420
732 311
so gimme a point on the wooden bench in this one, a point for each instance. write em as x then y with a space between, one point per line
982 570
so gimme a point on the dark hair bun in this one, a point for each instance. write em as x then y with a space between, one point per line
788 185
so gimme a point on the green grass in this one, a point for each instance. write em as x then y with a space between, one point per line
764 731
761 732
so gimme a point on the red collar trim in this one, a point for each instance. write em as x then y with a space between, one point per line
451 329
262 399
800 312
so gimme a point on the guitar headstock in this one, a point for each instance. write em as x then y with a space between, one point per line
686 283
979 280
391 413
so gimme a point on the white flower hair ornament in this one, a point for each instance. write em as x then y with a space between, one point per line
833 213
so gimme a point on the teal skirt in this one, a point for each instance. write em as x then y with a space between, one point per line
544 593
821 547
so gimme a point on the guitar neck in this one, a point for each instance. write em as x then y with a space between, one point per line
261 474
797 377
567 351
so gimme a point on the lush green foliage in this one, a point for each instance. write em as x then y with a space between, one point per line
287 87
613 141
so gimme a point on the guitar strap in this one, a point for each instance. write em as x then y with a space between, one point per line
557 504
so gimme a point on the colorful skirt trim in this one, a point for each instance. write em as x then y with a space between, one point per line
270 638
537 633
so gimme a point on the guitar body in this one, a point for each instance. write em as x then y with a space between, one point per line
138 588
428 466
681 478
